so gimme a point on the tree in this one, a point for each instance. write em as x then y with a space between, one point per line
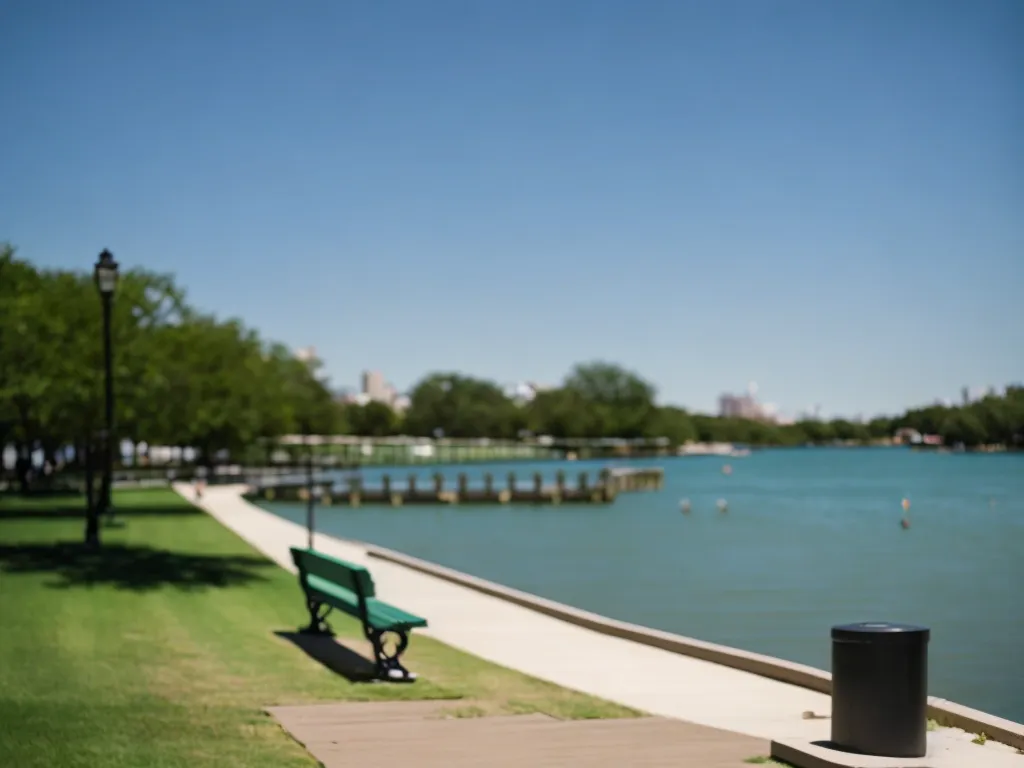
849 430
817 431
461 406
881 427
624 399
960 425
672 423
372 420
181 378
927 421
563 413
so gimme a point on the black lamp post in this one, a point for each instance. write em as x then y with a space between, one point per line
310 502
105 274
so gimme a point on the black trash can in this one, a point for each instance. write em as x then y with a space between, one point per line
880 688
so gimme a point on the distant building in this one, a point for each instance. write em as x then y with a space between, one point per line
738 407
906 435
374 385
748 406
306 354
377 389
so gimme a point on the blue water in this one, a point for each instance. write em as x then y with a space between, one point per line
811 539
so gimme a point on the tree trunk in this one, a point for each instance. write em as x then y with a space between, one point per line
22 466
92 512
50 455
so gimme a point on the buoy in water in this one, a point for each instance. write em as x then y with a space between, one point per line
906 504
727 469
723 505
684 505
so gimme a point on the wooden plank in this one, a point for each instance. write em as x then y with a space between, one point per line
378 733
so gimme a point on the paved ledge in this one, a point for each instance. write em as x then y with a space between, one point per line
947 748
955 715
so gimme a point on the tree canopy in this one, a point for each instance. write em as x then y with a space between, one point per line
181 377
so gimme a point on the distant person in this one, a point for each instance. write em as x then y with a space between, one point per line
200 487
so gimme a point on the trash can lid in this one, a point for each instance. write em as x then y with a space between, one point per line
880 631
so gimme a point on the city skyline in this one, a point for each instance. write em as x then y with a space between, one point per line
375 387
824 197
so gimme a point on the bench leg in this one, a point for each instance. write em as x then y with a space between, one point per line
389 667
318 613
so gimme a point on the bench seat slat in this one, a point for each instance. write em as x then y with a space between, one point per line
383 613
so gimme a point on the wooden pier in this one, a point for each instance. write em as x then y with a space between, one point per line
353 493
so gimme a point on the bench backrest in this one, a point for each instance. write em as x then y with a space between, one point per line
348 575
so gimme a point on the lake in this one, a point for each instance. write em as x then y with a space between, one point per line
811 539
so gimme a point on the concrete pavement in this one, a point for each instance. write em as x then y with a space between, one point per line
639 676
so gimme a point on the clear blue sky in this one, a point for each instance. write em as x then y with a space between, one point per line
826 197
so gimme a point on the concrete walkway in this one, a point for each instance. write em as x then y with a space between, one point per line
639 676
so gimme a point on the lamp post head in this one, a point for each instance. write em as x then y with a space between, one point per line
105 273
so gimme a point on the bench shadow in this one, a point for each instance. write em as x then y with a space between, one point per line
336 657
136 568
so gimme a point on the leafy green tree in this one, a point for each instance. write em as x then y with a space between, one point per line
563 413
849 430
372 420
461 406
672 423
180 378
623 399
961 425
927 421
817 431
881 427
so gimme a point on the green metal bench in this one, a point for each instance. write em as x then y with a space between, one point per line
329 583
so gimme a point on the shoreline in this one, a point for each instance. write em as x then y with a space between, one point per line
946 713
724 671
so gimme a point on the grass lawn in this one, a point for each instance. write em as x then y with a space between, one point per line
161 649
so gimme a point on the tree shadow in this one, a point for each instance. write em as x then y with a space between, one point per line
63 510
136 568
343 661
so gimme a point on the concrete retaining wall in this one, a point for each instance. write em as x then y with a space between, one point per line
945 712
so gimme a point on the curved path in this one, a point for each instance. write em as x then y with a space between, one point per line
638 676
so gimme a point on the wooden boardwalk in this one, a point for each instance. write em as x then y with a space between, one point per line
430 735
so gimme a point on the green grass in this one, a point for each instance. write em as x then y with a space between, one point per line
161 649
765 760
